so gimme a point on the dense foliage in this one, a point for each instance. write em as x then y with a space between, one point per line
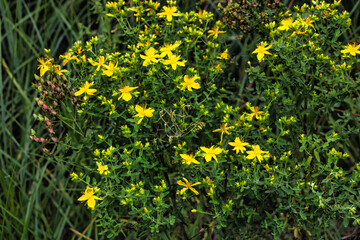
163 151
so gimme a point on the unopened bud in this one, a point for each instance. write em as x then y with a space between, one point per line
39 102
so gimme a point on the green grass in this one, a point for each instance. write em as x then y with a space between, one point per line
37 200
34 201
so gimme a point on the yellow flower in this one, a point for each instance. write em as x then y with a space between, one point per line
218 67
99 64
238 145
58 71
352 49
190 83
125 93
150 56
285 24
67 58
306 23
188 159
85 89
168 48
202 15
261 50
137 11
103 169
89 197
187 186
255 112
224 55
143 112
44 66
256 153
215 32
174 61
223 129
211 153
109 69
169 12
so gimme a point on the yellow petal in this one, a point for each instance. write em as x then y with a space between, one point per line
181 183
78 93
126 96
193 189
91 91
83 198
91 203
183 190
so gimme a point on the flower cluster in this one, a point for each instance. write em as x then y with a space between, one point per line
161 145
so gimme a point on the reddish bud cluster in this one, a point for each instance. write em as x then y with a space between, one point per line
52 89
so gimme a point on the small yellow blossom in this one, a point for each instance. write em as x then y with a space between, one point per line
211 153
168 48
99 63
306 23
352 49
85 89
174 61
223 129
224 55
238 145
285 24
208 181
218 67
188 159
44 66
202 15
215 32
125 93
187 186
143 112
103 169
169 12
255 112
190 82
150 56
68 58
154 5
261 50
137 11
59 71
89 197
109 69
256 153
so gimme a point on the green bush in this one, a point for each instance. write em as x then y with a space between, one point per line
162 150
